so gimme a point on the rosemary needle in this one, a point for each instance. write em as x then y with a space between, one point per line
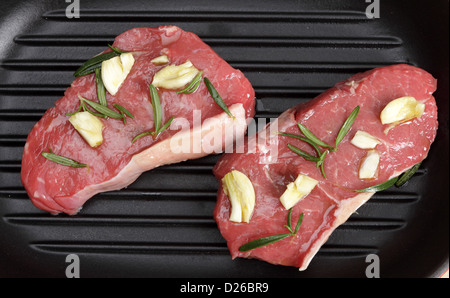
156 104
217 98
101 90
63 160
105 111
312 137
379 187
92 64
346 126
157 116
193 85
274 238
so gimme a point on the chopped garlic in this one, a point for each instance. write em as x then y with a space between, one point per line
89 127
402 109
175 76
364 140
239 189
115 71
161 60
369 165
297 190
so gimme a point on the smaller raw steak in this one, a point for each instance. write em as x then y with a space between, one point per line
334 198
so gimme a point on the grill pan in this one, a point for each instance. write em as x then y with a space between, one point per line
162 225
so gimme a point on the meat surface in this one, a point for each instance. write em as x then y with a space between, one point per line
271 166
118 162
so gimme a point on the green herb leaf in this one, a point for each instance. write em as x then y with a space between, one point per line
346 126
322 170
275 238
79 110
91 65
263 241
379 187
148 133
122 109
86 109
289 224
124 112
312 137
216 96
193 85
299 223
101 90
302 139
407 175
116 50
156 104
63 160
303 153
105 111
166 126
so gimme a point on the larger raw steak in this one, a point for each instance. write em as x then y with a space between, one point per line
118 162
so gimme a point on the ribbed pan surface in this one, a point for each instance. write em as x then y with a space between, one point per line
162 225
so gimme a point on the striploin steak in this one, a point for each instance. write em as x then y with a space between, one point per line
372 152
118 161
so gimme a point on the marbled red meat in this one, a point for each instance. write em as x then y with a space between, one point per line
334 199
117 162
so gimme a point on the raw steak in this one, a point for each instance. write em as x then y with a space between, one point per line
117 162
272 166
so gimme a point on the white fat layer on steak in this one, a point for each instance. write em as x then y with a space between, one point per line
161 154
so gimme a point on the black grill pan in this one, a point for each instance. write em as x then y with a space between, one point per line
162 225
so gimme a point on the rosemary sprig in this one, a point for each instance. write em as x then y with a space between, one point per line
104 111
193 85
165 126
302 139
154 134
216 96
85 109
275 238
157 117
310 136
379 187
398 181
147 133
116 50
407 175
92 64
96 62
101 90
63 160
156 104
124 112
346 126
314 141
321 162
303 153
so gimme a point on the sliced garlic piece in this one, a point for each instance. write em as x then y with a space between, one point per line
402 109
173 77
364 140
160 60
115 71
297 190
369 165
89 127
239 189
